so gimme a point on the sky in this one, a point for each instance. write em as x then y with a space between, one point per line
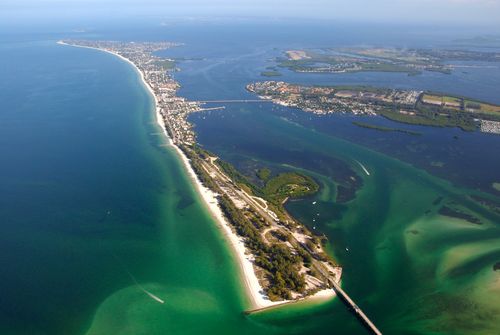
459 12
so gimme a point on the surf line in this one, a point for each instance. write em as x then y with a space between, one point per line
149 294
363 167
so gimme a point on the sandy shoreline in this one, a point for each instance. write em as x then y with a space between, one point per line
253 289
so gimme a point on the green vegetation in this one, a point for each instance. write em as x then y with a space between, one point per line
473 105
482 107
444 100
237 177
387 67
275 190
496 186
461 104
270 74
410 107
451 99
430 118
264 174
290 184
321 62
387 129
281 267
166 64
281 235
180 59
442 70
194 154
449 111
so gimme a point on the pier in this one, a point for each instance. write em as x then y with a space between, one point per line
359 313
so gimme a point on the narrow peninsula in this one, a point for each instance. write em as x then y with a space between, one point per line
281 260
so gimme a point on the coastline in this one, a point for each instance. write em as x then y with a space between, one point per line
254 291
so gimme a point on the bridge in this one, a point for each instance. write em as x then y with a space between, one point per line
234 101
359 313
212 109
344 297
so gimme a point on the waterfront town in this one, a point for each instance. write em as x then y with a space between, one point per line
156 73
326 100
407 106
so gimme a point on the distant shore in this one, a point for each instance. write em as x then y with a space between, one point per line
254 291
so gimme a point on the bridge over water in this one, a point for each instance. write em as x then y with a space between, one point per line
345 299
359 313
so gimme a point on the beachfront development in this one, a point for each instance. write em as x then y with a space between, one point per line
281 260
154 70
406 106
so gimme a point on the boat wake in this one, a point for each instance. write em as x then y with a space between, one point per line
149 294
363 167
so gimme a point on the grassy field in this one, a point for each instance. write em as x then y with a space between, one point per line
166 64
470 105
451 99
442 98
483 107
